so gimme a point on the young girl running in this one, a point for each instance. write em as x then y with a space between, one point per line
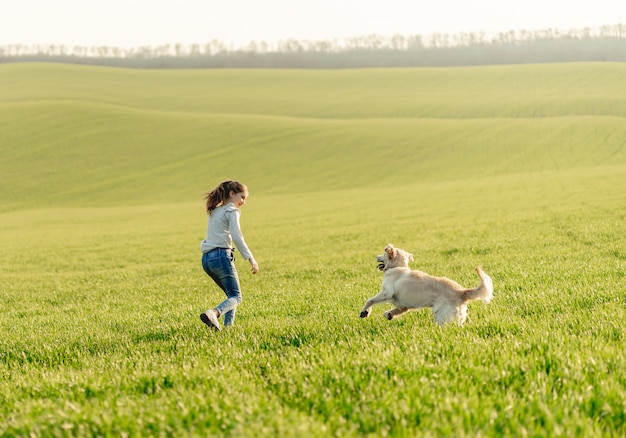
218 253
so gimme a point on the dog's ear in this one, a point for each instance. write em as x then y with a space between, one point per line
411 258
391 251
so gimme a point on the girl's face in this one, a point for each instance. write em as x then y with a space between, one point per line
239 199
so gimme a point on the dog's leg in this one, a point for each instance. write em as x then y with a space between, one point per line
382 297
443 313
461 314
391 314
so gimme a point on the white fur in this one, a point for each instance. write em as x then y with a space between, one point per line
410 290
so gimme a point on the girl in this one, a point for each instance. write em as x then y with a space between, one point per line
218 253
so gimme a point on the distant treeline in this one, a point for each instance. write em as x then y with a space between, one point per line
606 43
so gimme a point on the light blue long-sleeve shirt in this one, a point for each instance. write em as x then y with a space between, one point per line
223 229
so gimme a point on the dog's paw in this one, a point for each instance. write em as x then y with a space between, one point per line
388 315
364 314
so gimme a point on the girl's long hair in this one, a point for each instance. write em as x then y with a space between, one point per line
220 194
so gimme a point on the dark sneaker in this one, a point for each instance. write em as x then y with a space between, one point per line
210 319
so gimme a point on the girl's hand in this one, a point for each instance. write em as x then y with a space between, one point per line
254 264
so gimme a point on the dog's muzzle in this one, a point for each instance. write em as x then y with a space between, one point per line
381 263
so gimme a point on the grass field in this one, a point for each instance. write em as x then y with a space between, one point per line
520 169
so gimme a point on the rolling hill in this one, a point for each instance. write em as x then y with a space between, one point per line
85 136
520 169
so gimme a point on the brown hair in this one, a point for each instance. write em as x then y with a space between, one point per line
221 193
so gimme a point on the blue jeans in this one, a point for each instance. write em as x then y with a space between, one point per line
219 264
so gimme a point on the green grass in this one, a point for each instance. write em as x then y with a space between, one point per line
127 137
520 169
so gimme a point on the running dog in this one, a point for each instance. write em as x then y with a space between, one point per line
411 290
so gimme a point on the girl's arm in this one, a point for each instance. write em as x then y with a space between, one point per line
238 239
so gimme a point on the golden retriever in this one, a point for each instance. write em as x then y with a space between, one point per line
411 289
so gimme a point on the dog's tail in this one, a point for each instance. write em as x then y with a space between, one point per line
484 291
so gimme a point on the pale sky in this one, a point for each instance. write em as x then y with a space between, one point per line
133 23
